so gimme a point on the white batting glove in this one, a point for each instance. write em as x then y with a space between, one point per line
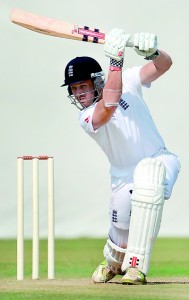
115 43
145 44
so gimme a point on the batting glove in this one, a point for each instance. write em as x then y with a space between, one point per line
115 43
145 44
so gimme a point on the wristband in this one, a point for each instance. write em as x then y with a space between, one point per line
112 68
116 65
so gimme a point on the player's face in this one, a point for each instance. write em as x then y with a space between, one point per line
83 92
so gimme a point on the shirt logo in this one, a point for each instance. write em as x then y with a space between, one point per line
114 216
123 104
87 119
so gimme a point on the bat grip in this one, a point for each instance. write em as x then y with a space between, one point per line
130 44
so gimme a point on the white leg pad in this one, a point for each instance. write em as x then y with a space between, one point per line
147 206
114 256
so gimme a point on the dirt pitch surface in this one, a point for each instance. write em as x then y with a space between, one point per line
84 289
60 284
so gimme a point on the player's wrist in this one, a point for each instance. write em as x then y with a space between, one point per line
153 56
116 65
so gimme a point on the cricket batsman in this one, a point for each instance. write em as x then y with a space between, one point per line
143 171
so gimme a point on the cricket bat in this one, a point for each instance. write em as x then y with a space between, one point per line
58 28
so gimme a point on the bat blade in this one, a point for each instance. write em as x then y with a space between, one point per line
57 28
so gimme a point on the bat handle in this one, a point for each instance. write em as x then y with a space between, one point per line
130 43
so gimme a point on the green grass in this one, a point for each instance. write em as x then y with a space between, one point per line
75 261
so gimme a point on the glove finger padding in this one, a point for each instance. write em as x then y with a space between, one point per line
115 43
145 44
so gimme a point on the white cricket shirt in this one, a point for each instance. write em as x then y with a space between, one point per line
131 134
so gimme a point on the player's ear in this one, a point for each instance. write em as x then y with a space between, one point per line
69 90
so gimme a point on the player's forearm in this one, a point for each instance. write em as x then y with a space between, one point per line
163 61
113 89
111 96
155 68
